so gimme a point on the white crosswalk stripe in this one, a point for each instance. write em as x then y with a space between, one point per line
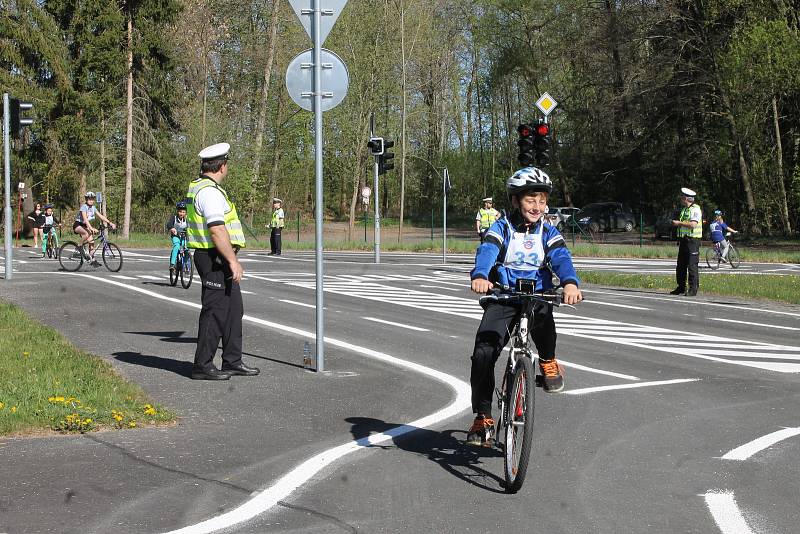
703 346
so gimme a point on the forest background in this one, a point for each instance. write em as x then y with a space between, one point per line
653 95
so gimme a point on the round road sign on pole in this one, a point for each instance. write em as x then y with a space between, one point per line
300 79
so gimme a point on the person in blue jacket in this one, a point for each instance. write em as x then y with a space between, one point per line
518 246
718 230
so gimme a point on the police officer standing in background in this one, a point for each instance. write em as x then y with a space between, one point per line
215 232
486 217
690 231
276 223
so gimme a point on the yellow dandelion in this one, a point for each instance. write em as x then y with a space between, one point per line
26 354
2 405
132 424
150 411
13 409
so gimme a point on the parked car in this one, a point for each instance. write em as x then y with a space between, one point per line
607 216
559 217
663 228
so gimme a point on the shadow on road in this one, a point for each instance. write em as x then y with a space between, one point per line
442 448
162 284
168 364
177 336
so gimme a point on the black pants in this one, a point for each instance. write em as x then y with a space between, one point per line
275 240
221 315
493 334
688 261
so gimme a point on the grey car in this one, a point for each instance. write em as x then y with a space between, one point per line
559 217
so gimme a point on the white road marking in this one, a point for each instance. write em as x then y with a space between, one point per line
123 277
128 252
743 452
725 512
441 287
401 325
596 371
584 391
287 301
247 292
286 485
755 324
600 302
150 277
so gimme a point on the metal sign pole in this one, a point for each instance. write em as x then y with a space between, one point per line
318 192
377 213
7 172
444 215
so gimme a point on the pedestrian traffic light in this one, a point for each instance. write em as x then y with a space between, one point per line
375 146
18 120
542 144
385 163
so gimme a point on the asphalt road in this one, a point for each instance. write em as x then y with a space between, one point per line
680 415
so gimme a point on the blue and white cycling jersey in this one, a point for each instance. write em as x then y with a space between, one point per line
89 210
512 250
718 230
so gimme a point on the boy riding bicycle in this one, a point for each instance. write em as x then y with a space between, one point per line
177 225
50 222
718 230
519 246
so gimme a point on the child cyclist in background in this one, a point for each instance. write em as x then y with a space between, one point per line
718 230
519 246
50 221
176 225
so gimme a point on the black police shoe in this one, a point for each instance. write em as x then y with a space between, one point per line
691 293
240 369
210 374
677 291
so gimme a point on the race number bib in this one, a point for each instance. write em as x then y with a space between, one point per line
525 251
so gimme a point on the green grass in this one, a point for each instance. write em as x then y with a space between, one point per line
48 384
751 286
670 251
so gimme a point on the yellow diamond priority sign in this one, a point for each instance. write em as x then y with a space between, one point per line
546 104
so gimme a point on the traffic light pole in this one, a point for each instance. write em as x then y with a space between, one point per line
317 29
377 213
444 215
7 173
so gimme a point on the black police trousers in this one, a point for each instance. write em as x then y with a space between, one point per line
688 261
221 315
496 325
275 240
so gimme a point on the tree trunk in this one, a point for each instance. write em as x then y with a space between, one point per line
787 225
126 225
103 206
262 110
276 149
403 89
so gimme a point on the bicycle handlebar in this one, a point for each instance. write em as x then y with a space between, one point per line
506 294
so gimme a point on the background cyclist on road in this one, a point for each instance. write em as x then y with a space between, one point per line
718 230
50 221
518 246
176 224
83 222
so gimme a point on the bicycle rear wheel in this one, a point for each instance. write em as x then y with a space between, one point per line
518 426
70 256
173 273
187 270
733 257
712 258
112 257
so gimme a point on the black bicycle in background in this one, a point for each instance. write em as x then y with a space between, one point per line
184 266
515 397
714 255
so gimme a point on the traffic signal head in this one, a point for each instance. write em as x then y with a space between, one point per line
18 118
385 162
376 146
542 144
534 144
526 144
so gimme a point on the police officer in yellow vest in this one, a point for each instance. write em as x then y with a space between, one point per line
690 231
215 233
486 217
276 223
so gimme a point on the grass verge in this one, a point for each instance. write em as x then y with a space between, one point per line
47 383
753 286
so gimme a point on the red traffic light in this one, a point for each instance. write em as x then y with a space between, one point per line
542 129
524 130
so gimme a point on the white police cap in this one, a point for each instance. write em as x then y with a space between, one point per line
276 199
685 191
488 199
220 150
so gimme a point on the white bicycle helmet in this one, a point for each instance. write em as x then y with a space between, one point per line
529 179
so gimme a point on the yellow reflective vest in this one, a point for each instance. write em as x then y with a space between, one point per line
691 213
488 217
197 233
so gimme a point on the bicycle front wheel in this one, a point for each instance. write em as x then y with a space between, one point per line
112 257
187 270
733 257
70 256
712 258
173 273
518 426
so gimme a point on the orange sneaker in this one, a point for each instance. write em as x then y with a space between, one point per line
553 377
481 433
